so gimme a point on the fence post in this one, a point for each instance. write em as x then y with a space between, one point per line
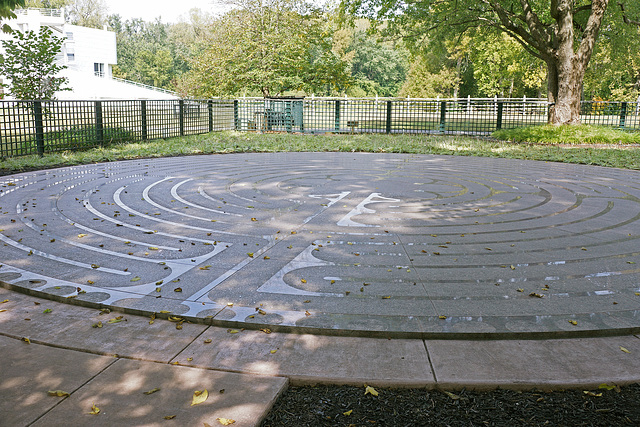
236 121
499 119
37 113
143 111
181 111
443 115
389 107
210 109
287 116
99 127
337 116
623 114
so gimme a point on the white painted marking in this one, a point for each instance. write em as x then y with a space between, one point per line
346 221
305 259
333 199
174 193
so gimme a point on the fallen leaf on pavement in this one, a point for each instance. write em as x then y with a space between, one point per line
199 397
94 410
57 393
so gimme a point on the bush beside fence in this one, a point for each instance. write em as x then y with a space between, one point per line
37 127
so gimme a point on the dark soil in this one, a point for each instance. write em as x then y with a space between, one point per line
329 406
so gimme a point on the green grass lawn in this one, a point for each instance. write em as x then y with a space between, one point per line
237 142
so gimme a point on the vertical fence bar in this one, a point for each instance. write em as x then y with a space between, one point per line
623 114
389 109
37 115
181 118
210 109
143 112
287 116
99 125
499 118
337 116
443 116
236 116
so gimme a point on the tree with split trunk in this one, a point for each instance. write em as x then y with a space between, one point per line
562 33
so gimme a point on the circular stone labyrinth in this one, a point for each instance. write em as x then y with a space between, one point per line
353 243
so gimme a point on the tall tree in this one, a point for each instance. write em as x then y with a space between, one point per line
268 46
87 13
562 33
29 63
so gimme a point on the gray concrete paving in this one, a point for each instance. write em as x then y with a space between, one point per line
342 268
374 244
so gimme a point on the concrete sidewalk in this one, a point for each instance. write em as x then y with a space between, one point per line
245 371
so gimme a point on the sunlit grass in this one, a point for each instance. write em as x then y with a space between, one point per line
236 142
582 134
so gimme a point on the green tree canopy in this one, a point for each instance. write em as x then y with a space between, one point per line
266 46
29 63
561 33
6 11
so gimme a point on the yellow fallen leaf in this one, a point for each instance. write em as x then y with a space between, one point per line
370 390
57 393
27 340
386 297
4 301
94 410
3 310
206 267
208 341
153 248
273 351
135 279
303 281
253 219
153 390
226 421
442 317
266 257
348 412
80 236
164 311
169 417
250 254
97 325
232 331
573 322
266 330
199 397
624 349
592 394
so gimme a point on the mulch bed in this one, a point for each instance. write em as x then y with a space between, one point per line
330 406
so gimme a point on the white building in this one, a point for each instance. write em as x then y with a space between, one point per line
89 55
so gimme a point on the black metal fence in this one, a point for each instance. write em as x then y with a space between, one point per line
36 127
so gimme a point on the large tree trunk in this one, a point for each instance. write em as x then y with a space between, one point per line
566 66
564 91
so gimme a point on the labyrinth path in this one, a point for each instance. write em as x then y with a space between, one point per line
348 243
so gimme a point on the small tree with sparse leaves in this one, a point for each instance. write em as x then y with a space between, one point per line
29 64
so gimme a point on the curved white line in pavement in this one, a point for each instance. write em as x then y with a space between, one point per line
174 193
145 196
212 199
119 202
277 285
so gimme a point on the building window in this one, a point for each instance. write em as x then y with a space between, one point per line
71 57
69 36
98 69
